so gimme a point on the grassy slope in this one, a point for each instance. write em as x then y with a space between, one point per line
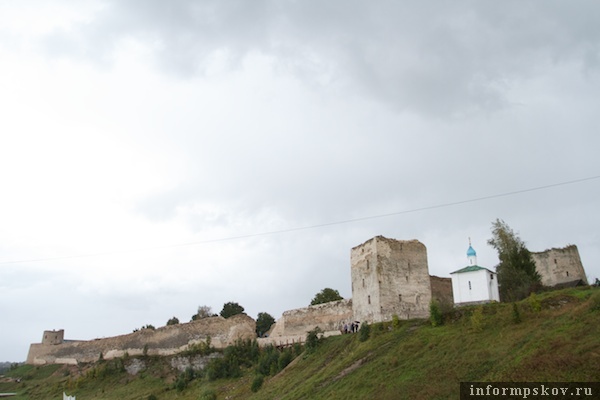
413 360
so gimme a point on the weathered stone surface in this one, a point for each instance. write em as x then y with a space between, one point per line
441 290
327 316
390 277
557 266
166 340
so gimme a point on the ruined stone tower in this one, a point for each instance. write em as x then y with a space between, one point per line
558 266
53 337
390 277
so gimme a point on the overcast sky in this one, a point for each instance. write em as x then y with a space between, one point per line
156 156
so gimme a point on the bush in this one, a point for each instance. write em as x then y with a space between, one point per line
208 394
364 332
534 303
516 315
313 339
257 383
152 397
595 301
395 321
435 313
477 319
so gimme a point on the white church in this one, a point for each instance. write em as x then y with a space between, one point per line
474 284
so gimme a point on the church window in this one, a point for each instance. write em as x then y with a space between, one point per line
469 285
491 277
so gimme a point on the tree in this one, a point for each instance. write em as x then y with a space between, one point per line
173 321
230 309
517 275
203 312
263 323
325 296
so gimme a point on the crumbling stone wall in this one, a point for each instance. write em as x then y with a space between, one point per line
557 266
327 316
441 290
390 277
166 340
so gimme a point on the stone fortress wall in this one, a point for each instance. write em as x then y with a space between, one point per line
389 277
166 340
294 324
559 266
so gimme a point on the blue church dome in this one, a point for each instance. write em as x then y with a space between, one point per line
471 252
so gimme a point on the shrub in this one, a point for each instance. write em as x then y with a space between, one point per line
435 313
595 301
268 361
152 397
257 383
285 358
364 332
516 315
477 319
208 394
313 339
534 303
395 321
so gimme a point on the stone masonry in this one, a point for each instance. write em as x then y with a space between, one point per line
166 340
390 277
557 266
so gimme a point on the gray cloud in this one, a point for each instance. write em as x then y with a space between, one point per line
237 118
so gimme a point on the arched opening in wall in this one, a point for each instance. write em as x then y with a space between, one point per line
400 298
567 273
369 299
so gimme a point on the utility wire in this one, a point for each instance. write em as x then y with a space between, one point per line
301 228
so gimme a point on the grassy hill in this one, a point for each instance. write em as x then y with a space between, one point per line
557 339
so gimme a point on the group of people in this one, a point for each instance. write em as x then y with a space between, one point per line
351 328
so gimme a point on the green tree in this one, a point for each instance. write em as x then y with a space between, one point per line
435 313
263 323
173 321
517 275
325 296
230 309
203 312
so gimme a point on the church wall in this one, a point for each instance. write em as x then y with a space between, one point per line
475 286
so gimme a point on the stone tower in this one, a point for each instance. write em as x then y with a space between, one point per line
390 277
557 266
53 337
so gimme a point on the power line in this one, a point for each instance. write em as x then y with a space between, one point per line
301 228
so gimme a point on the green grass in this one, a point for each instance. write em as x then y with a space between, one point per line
412 360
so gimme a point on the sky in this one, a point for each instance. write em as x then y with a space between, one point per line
160 156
